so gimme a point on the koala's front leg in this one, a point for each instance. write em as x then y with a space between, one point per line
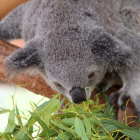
121 96
130 89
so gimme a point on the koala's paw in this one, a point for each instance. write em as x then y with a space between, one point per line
122 99
123 95
137 111
113 97
103 87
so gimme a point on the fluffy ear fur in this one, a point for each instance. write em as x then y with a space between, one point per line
111 51
22 59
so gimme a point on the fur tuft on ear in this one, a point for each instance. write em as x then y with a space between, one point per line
23 59
111 51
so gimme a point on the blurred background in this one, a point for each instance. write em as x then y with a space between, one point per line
22 96
6 6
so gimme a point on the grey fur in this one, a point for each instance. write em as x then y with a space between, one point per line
69 39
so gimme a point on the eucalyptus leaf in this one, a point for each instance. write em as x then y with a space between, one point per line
68 121
11 122
79 129
50 110
29 136
117 124
42 123
18 117
135 135
52 102
88 126
63 127
94 120
110 127
20 135
65 136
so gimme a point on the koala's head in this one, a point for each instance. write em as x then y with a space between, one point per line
69 63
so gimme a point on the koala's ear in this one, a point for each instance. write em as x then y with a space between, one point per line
103 47
22 59
111 51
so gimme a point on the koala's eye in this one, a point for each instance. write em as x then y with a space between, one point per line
91 75
58 85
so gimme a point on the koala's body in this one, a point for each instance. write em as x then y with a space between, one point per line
76 44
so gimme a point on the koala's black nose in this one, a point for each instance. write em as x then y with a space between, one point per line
78 95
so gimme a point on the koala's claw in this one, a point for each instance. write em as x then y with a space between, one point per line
103 87
110 101
123 107
138 114
138 117
122 101
113 97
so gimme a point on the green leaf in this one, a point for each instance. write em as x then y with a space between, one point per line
94 120
51 109
43 107
86 114
135 135
18 118
62 101
11 122
52 102
117 124
63 127
67 115
42 123
6 137
30 132
110 127
68 121
109 110
20 135
65 136
52 133
59 138
16 129
79 128
88 126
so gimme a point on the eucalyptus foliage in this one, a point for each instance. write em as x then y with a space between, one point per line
86 121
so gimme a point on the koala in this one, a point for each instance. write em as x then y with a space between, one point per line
77 45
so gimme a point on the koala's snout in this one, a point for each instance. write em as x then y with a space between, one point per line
78 95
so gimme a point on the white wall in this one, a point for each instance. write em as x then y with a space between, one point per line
22 99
